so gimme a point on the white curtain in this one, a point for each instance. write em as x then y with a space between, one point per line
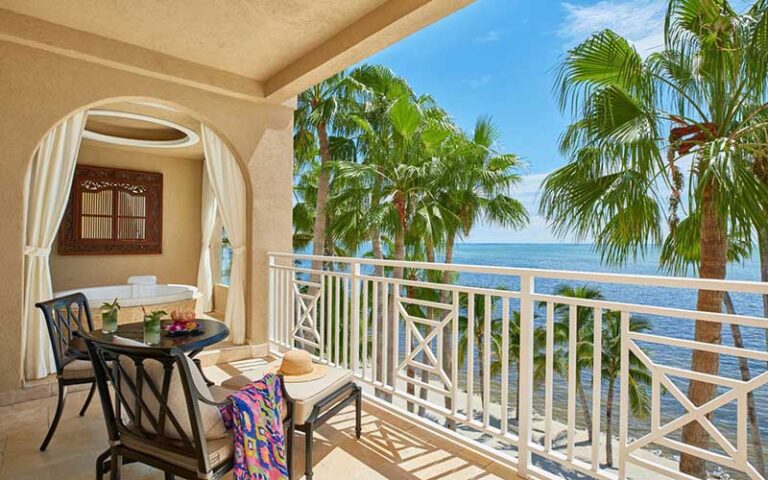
46 189
208 222
229 188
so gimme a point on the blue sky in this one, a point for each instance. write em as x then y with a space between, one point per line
499 57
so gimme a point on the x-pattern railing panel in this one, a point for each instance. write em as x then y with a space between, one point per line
434 328
306 322
735 456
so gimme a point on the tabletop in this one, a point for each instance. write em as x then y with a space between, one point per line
211 332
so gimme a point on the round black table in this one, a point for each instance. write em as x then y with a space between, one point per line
211 332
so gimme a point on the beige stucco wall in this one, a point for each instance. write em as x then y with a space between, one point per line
182 180
38 88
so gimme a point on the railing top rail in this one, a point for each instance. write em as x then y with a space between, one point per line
760 288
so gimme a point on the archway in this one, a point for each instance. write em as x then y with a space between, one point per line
49 177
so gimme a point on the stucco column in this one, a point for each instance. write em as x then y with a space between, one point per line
270 169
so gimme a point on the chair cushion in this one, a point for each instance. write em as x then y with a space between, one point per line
77 369
304 394
213 424
219 451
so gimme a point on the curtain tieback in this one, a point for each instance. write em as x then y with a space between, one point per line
238 250
36 251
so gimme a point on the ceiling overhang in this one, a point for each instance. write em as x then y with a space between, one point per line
385 24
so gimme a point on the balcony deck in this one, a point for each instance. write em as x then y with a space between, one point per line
391 448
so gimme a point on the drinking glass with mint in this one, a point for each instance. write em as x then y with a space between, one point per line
152 326
109 314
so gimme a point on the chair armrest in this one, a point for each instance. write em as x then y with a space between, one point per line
201 398
332 398
287 398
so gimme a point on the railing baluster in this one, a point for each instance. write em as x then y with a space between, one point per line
337 320
271 299
365 362
623 396
375 329
395 334
295 313
504 365
487 359
597 394
470 354
455 354
286 309
548 376
572 377
345 284
385 333
320 313
527 283
355 306
329 322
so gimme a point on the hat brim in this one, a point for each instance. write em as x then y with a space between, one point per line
318 372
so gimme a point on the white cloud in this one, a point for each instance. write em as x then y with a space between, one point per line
480 81
639 21
489 36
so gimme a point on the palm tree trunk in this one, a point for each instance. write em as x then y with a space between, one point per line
323 185
713 263
762 238
761 171
609 424
397 273
754 423
480 369
585 407
447 342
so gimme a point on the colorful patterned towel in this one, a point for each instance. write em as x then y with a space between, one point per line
255 417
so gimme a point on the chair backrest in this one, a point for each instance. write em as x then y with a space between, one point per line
141 379
63 317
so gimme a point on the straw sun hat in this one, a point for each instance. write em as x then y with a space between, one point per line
297 366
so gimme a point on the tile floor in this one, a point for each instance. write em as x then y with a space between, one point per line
391 448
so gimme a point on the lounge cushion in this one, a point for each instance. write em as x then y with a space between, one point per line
77 369
304 394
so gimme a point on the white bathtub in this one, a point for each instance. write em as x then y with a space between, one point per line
136 295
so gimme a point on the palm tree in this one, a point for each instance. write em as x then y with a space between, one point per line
398 132
320 111
639 376
584 321
476 186
706 91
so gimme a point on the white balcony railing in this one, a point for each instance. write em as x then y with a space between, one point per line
506 366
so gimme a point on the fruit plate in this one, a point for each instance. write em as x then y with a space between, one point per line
181 333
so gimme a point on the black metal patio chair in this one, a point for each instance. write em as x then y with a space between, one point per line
163 414
67 318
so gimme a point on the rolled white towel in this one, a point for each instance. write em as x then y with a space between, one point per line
142 280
